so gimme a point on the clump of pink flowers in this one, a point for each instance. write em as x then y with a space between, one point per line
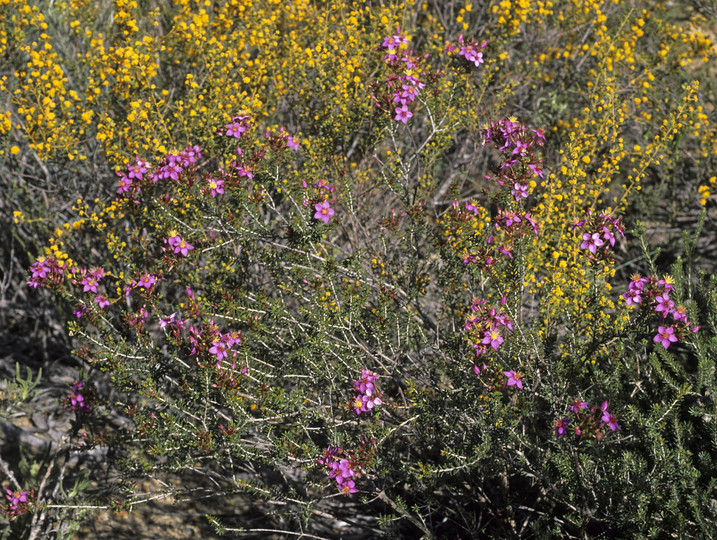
597 233
340 469
495 379
653 295
46 272
222 346
347 465
486 326
586 421
404 83
516 223
79 400
141 173
91 279
317 195
471 51
368 395
19 502
521 161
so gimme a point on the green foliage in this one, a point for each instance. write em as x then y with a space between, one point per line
22 389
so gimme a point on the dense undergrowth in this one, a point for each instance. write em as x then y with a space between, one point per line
384 269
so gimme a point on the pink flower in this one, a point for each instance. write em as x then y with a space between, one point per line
664 304
90 284
124 184
77 400
403 114
513 379
238 127
369 395
147 280
591 242
324 211
166 321
665 336
578 406
519 191
102 301
679 314
560 426
180 245
632 297
492 338
292 143
138 169
219 349
216 187
609 419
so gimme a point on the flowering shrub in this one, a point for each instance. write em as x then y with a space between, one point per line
342 192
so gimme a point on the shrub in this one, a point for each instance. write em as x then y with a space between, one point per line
381 302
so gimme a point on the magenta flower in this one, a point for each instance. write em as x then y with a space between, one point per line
471 51
180 245
680 314
216 187
609 419
190 155
513 379
171 170
536 170
138 170
591 242
533 223
492 338
519 191
239 126
40 268
560 426
166 321
324 211
146 280
578 406
243 170
607 235
90 284
395 41
632 297
348 487
665 336
102 301
403 114
664 304
124 184
292 143
341 469
77 400
323 184
219 349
